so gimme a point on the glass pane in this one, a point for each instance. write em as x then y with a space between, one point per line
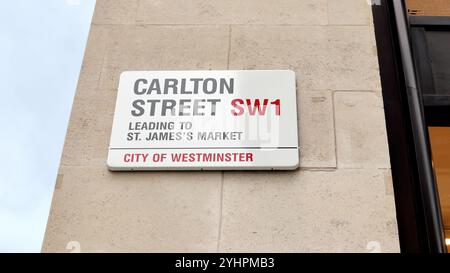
439 47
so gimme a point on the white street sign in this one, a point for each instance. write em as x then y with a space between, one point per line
205 120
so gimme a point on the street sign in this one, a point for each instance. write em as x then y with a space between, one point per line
205 120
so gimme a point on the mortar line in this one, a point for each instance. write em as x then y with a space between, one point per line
333 101
229 47
103 64
136 12
328 13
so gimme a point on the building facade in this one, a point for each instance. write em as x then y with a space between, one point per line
341 199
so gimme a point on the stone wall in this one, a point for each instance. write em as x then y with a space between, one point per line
341 198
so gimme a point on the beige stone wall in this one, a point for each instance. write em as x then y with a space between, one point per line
340 199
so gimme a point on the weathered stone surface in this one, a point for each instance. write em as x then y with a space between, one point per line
90 120
316 129
350 12
290 12
325 58
89 129
360 130
115 12
93 61
164 48
137 212
308 211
